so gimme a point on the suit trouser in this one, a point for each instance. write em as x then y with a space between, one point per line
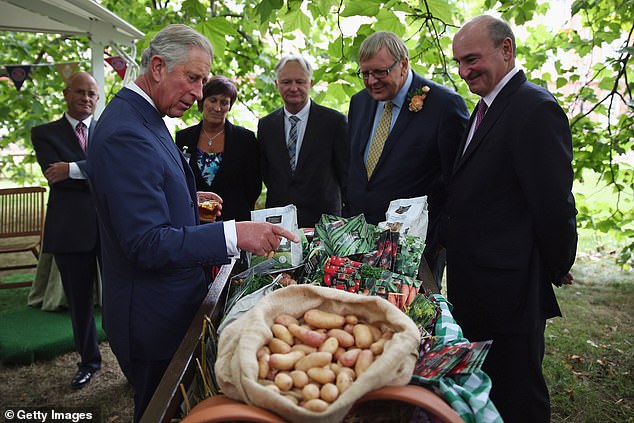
78 272
144 376
519 390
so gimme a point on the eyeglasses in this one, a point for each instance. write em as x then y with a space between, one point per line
377 73
83 93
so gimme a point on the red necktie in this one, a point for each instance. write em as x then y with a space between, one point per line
80 131
482 109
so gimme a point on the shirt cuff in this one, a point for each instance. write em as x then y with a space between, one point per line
74 172
231 238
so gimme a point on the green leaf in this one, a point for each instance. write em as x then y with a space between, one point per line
361 8
296 19
266 8
389 21
441 9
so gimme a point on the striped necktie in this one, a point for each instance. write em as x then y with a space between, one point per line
378 141
292 142
80 131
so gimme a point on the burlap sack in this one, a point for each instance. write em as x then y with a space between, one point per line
236 367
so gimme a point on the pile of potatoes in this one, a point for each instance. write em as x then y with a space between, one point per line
313 360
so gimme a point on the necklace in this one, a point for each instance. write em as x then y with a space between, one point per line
210 140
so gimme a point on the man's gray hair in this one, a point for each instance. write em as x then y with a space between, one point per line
308 70
375 42
173 43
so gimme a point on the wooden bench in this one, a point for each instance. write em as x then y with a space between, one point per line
21 223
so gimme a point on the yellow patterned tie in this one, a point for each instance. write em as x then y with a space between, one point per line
378 141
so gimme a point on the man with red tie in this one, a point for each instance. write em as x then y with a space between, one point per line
70 230
511 229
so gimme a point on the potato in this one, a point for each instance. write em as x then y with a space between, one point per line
330 345
307 336
329 392
277 346
317 405
263 350
306 349
263 366
335 367
349 358
310 391
321 375
323 319
366 357
285 320
344 339
338 353
272 373
283 381
285 361
316 359
300 378
378 346
281 332
362 335
344 380
376 332
351 319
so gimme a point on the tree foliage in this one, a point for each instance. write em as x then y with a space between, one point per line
586 63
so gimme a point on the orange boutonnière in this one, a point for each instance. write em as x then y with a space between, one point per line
417 98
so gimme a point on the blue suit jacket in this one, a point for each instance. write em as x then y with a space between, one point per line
511 227
154 249
417 158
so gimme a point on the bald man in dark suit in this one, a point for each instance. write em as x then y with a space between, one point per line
511 226
70 230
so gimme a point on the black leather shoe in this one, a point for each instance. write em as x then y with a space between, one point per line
81 378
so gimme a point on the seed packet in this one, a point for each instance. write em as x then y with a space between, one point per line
288 254
384 252
409 256
408 216
344 237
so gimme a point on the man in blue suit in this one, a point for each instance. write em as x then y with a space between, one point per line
70 231
511 226
155 252
421 136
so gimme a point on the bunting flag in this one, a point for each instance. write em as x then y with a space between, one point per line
66 70
118 64
18 74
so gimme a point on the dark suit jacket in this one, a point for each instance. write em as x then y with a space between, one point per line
238 180
318 184
154 250
511 214
417 158
71 221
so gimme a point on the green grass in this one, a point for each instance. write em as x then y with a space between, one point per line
589 361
